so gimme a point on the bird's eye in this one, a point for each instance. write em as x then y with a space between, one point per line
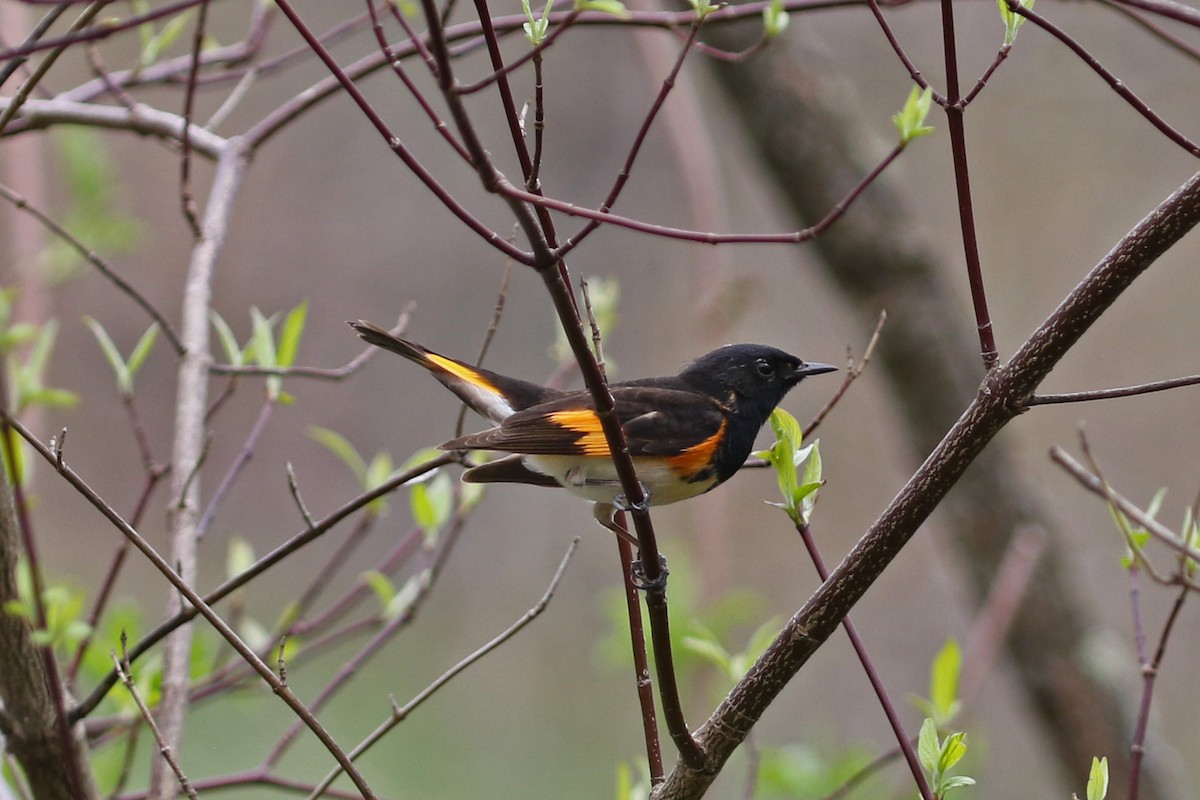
764 368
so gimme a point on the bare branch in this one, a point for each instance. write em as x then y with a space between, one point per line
1107 394
400 713
164 750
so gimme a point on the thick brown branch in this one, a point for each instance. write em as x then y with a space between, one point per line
1002 397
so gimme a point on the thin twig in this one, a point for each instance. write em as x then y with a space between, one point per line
200 607
400 713
257 568
320 373
96 261
860 649
427 576
852 372
962 186
164 749
187 201
294 488
39 72
1096 485
1117 85
1107 394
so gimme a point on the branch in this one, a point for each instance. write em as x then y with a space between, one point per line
187 452
1001 398
1106 394
41 114
1094 484
400 713
199 607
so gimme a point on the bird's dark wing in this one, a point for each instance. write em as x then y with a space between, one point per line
656 422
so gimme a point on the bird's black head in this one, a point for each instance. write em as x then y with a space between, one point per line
750 376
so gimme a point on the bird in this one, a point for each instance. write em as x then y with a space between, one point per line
687 433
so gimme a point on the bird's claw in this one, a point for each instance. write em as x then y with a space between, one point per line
637 574
621 502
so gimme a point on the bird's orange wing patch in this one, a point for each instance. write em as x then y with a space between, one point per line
462 371
584 422
698 457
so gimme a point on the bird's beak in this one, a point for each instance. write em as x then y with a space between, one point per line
813 368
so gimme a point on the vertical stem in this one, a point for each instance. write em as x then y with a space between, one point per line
190 408
962 183
860 649
641 665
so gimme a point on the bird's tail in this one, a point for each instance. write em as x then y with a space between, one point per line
487 393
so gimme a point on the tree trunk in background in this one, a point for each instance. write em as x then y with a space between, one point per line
933 370
31 728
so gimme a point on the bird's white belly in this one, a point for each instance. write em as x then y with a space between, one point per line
596 479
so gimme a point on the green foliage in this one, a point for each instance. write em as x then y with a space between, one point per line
787 455
124 369
395 603
704 7
939 757
910 120
1135 535
27 379
63 606
775 20
91 216
707 645
613 8
701 632
627 787
262 348
155 42
233 353
794 771
943 704
1097 785
1012 20
536 28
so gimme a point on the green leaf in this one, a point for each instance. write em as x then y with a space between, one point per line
624 788
953 749
289 335
262 338
536 27
240 557
262 349
709 649
142 349
1097 785
432 504
612 7
113 356
943 680
928 748
409 593
910 120
775 20
18 334
51 398
381 585
1012 20
340 446
955 782
228 341
255 634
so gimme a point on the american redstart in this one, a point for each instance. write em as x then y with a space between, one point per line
687 433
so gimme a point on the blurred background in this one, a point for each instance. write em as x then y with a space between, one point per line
1061 168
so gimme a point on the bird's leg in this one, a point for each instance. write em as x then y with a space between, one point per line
621 502
605 514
